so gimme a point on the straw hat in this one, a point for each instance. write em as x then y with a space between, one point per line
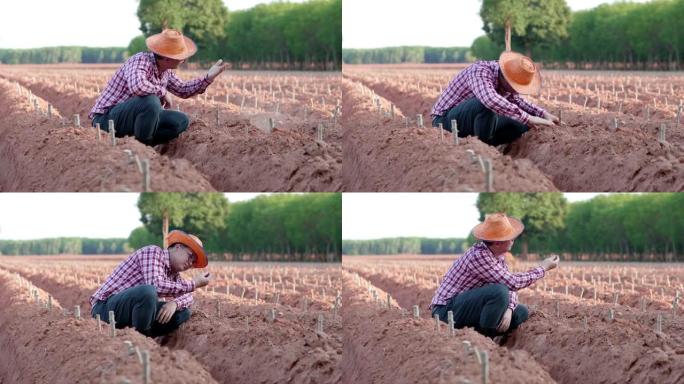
172 44
498 227
190 241
520 72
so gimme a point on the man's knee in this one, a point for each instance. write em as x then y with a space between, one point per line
184 315
146 293
498 292
149 101
520 314
183 123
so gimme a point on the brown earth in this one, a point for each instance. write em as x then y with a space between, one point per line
384 346
631 351
38 155
380 154
41 346
237 155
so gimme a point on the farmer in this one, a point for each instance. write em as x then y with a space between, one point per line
485 101
478 287
132 291
136 97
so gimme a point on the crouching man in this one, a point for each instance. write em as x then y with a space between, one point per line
133 290
479 288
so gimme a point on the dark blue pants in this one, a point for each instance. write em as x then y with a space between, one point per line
473 118
482 308
144 118
137 307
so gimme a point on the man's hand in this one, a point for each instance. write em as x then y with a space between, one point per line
166 312
201 280
166 101
551 117
550 262
539 122
216 70
505 321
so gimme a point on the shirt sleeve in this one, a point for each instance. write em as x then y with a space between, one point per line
185 89
483 88
136 78
154 274
490 270
512 299
527 106
183 301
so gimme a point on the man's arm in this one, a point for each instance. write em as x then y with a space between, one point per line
183 301
186 89
484 90
154 274
528 107
135 73
490 270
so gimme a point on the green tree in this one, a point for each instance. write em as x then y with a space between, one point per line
542 214
136 45
510 15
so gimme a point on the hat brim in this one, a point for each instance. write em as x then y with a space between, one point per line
518 227
153 44
180 237
533 88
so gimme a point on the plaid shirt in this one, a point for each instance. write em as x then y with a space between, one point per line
139 76
478 267
148 265
480 80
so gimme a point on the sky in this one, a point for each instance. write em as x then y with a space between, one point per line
377 215
101 215
436 23
93 23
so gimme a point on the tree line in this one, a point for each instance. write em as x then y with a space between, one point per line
621 35
398 55
618 227
278 227
404 245
279 35
64 245
54 55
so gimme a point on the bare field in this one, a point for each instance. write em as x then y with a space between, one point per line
589 323
256 323
609 139
265 131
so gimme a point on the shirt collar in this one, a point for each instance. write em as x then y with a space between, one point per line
481 245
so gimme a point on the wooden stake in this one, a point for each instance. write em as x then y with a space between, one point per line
484 358
99 323
77 120
112 323
416 311
146 175
146 367
489 175
319 324
454 130
419 120
77 312
661 133
112 132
